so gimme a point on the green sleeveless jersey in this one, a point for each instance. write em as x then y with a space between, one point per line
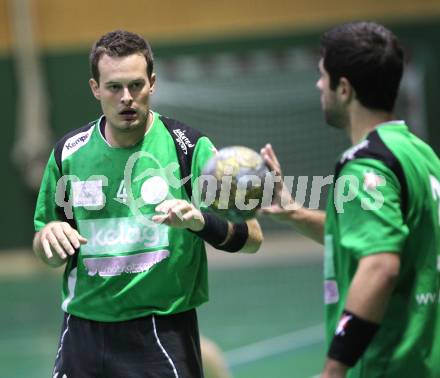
130 267
386 199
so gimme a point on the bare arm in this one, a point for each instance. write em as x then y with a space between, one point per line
368 296
372 286
55 241
255 238
308 222
284 209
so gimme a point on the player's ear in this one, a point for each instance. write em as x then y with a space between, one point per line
152 82
345 91
94 86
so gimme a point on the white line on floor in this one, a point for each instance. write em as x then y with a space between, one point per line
275 345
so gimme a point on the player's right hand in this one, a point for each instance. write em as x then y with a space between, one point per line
282 196
62 238
283 205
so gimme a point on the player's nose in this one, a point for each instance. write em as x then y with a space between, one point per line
126 98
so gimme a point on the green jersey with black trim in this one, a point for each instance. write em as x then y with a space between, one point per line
386 199
130 266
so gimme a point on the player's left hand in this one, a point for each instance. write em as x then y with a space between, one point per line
179 213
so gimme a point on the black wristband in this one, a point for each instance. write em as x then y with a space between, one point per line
352 337
215 230
238 238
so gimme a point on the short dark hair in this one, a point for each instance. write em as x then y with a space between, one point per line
370 57
120 43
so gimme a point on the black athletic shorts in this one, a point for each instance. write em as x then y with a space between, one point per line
150 347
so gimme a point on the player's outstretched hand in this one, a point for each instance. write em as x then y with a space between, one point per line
283 204
61 238
179 213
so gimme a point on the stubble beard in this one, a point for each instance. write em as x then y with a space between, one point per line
335 118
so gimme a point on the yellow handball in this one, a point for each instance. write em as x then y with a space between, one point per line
233 183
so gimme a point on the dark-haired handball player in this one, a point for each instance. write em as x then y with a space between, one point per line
381 228
111 209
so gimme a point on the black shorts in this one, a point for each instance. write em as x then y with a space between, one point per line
150 347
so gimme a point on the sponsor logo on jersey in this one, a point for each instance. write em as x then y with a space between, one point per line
82 139
74 143
119 235
331 292
88 193
117 265
424 299
183 140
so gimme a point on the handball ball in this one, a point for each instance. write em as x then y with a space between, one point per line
233 183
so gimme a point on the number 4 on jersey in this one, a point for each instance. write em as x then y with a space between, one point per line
121 195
